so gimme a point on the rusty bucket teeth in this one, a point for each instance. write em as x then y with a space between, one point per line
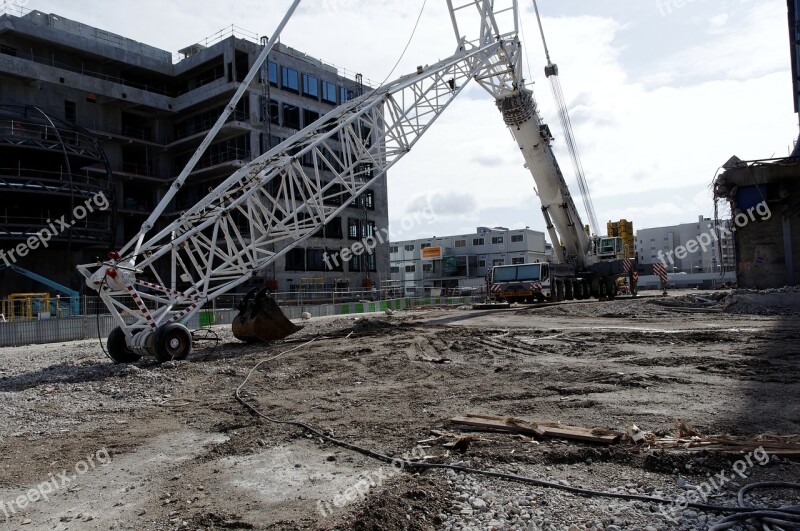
261 319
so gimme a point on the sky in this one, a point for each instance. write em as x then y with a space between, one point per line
661 93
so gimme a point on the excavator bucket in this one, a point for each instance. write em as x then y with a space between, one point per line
261 319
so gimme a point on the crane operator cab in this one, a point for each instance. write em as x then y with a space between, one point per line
610 248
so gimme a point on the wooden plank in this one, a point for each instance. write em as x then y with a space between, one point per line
499 424
541 429
580 434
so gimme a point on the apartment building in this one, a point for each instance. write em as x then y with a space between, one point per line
462 261
657 242
84 111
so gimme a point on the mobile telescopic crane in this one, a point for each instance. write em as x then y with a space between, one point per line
288 193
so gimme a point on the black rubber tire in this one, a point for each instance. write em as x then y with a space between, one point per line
569 290
118 348
172 341
611 289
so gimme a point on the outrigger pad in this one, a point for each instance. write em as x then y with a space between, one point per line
261 319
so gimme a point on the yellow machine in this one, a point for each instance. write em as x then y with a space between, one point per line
623 229
26 306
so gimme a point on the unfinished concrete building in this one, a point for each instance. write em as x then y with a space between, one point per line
84 111
767 237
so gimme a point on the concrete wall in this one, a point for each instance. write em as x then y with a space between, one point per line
761 245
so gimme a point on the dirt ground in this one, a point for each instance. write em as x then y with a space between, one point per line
150 446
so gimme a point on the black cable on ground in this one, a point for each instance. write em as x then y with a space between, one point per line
742 513
787 517
99 335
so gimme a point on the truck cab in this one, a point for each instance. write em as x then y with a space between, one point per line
521 282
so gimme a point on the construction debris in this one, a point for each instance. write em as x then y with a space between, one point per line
687 439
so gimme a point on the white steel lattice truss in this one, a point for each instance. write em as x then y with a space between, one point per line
287 194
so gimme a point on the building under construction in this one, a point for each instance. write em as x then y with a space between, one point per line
86 112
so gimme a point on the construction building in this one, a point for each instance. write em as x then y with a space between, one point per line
664 244
764 197
451 262
84 111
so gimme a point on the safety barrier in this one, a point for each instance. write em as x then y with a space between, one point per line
83 327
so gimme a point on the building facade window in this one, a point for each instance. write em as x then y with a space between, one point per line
427 268
370 264
328 92
368 229
296 260
274 112
497 239
461 243
291 116
273 73
517 260
393 249
309 117
424 245
517 238
355 264
411 268
477 242
498 262
394 269
365 200
290 79
70 113
310 86
353 228
409 247
481 263
345 94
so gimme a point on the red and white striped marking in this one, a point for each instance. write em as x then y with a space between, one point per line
142 308
628 264
661 272
168 291
180 315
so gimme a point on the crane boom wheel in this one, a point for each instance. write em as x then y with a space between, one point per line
172 341
118 348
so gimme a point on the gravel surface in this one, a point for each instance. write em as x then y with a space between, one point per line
185 455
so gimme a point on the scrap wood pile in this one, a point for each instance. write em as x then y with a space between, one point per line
684 439
687 439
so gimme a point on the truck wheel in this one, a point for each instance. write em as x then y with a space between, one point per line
118 348
172 341
569 292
